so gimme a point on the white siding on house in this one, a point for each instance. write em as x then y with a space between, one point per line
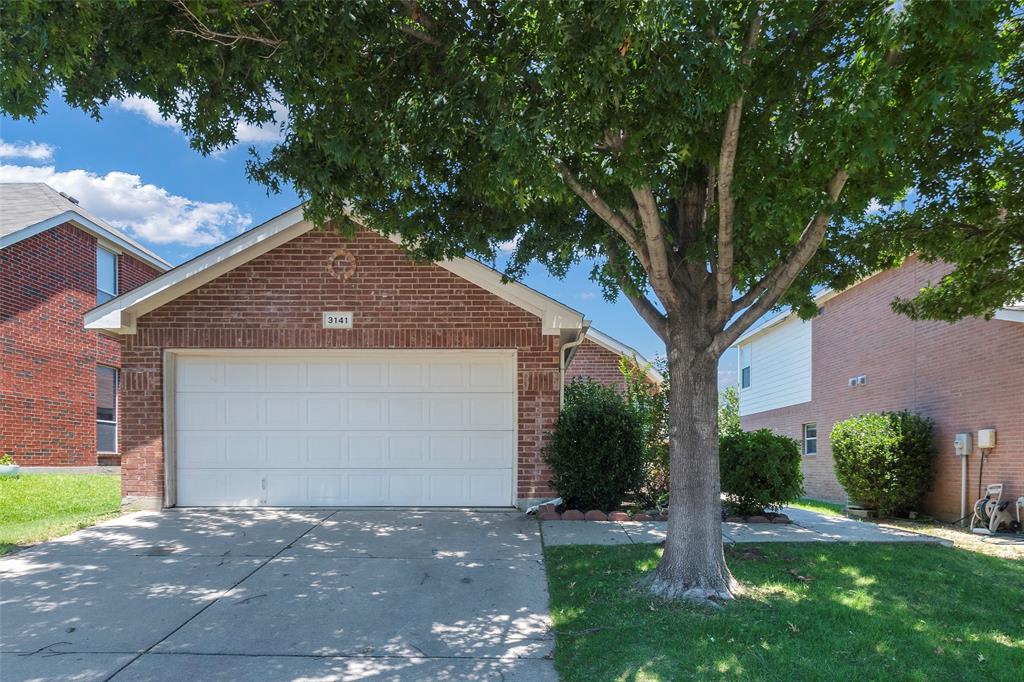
780 367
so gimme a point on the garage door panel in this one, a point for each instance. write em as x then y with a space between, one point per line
286 375
365 375
244 375
327 451
286 489
243 411
447 376
407 451
366 451
422 430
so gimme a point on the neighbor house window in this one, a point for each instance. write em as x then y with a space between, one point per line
106 275
745 367
106 409
810 439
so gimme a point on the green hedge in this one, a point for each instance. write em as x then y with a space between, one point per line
760 470
596 452
884 461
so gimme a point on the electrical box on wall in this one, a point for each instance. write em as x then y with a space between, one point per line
962 444
986 439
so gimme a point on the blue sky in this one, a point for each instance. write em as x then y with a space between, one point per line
139 173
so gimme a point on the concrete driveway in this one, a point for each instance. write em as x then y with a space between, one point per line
281 595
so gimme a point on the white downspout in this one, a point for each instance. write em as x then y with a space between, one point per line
561 365
963 489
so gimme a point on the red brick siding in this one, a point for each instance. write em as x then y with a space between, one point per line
965 376
596 362
48 365
276 301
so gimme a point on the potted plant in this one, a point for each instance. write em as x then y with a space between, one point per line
7 465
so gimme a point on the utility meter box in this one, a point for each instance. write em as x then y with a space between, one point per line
986 439
962 444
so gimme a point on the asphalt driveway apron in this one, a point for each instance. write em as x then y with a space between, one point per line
281 594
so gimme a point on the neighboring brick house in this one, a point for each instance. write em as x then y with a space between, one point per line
59 381
293 366
857 356
599 357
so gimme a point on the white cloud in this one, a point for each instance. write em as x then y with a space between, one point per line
874 206
587 295
147 211
511 245
34 151
245 132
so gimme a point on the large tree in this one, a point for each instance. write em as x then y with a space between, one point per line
717 159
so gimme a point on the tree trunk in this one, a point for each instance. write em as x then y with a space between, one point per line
693 566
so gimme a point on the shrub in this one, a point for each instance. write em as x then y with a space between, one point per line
650 402
760 470
729 412
595 453
884 461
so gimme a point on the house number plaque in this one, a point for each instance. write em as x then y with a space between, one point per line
336 320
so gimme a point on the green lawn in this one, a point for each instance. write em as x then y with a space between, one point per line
811 504
811 612
40 506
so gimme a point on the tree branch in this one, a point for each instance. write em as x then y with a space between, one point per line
647 310
622 225
204 32
657 249
763 296
726 202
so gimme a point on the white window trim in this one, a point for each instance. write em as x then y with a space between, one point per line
750 362
804 439
117 400
117 273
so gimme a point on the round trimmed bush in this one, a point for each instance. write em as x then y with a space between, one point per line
884 461
760 470
596 450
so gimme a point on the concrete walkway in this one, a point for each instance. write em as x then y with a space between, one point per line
807 526
280 595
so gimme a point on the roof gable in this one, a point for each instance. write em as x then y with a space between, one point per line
27 209
120 314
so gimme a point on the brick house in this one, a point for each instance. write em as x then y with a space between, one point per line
59 404
857 356
293 366
598 358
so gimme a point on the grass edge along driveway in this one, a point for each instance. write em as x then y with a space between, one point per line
37 507
811 612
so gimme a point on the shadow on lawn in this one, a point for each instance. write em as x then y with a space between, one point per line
810 612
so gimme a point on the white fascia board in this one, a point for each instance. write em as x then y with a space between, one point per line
89 226
554 316
1009 314
822 296
619 348
111 316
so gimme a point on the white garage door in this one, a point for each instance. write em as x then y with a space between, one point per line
380 428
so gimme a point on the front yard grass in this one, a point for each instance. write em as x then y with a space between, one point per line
821 506
35 507
810 612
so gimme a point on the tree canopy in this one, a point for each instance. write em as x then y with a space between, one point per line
465 125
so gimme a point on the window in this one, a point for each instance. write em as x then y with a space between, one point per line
106 409
106 275
745 367
810 439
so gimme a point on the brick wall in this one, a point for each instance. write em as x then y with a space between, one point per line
276 301
965 376
593 361
48 362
